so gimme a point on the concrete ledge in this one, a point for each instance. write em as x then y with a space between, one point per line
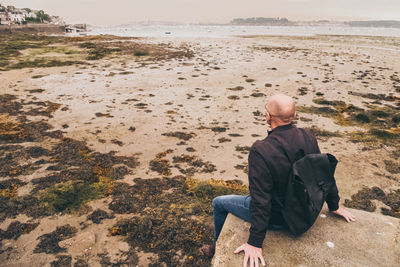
373 240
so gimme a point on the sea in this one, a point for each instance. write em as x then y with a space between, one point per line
228 31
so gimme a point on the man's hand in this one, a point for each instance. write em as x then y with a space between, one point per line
345 214
252 253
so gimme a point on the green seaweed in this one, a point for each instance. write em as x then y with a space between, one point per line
374 96
374 136
77 174
71 195
321 133
381 123
42 63
30 51
324 111
12 46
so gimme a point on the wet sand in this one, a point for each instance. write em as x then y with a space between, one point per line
208 110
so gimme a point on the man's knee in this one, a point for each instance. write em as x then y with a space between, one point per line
217 202
221 202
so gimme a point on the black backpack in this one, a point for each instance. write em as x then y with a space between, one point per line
311 177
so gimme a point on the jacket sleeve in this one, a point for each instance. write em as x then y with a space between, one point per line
333 198
261 185
314 142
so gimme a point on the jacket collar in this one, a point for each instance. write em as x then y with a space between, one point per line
282 128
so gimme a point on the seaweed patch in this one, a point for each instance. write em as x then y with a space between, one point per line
98 215
128 258
179 135
382 123
160 164
243 149
16 229
19 51
391 166
175 217
195 165
237 88
362 200
72 195
49 242
324 134
77 174
218 129
62 260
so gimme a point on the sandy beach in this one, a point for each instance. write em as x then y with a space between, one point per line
183 110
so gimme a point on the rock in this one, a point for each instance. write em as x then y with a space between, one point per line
373 240
79 242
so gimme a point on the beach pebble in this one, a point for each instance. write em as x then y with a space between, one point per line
322 215
330 244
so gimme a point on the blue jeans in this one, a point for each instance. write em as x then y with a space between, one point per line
238 206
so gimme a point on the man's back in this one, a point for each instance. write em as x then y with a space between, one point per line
291 139
269 169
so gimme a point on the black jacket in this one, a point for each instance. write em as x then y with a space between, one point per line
268 175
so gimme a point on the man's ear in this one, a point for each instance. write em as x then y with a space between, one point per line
294 116
267 118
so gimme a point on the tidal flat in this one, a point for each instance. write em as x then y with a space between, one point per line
112 148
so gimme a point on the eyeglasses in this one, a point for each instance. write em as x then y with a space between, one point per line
270 115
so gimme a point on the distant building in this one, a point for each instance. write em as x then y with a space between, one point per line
17 16
11 15
29 13
4 17
261 21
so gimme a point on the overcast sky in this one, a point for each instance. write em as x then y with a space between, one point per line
111 12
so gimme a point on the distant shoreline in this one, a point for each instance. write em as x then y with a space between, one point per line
33 28
245 22
286 22
229 30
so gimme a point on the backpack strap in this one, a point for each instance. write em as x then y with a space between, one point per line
306 139
299 154
291 161
280 147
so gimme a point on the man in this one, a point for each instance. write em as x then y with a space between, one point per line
268 175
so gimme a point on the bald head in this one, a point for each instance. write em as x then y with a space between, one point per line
281 109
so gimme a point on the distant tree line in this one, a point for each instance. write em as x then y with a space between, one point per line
261 21
40 18
375 23
286 22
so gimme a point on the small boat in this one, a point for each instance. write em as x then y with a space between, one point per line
167 32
